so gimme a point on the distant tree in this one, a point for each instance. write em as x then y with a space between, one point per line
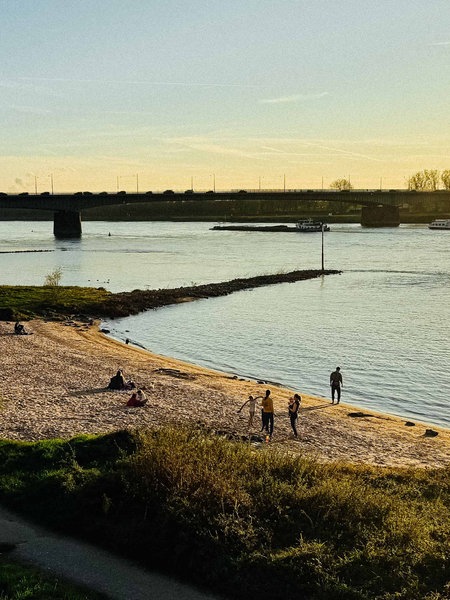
424 181
445 178
341 184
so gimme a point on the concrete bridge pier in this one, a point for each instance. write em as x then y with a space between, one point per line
67 224
381 215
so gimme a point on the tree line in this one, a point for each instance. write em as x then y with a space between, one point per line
428 180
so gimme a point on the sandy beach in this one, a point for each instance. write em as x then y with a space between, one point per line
54 385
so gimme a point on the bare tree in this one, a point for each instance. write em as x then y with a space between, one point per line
341 184
424 181
445 178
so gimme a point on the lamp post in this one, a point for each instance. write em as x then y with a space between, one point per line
36 180
119 177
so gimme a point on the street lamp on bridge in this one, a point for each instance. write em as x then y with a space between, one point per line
119 177
35 183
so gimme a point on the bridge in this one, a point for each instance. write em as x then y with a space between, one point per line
379 208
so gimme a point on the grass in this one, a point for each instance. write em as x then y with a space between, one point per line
20 302
20 582
243 521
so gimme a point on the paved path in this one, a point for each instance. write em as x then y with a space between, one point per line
87 565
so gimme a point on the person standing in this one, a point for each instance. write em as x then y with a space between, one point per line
336 384
267 413
251 409
294 405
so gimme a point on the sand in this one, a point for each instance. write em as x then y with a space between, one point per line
53 384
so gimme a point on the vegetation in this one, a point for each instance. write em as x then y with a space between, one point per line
19 302
445 178
18 581
341 184
426 180
53 279
250 522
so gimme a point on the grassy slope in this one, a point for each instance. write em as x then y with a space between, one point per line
247 522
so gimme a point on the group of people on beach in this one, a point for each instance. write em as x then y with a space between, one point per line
267 412
118 382
138 398
266 404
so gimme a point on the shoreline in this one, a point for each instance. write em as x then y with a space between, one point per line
54 385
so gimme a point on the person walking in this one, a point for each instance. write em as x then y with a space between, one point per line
294 405
336 384
267 413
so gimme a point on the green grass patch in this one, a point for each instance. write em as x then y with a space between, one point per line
25 302
245 521
19 582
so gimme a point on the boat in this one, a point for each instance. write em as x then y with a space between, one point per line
309 225
439 224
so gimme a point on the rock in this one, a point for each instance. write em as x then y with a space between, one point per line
430 433
409 424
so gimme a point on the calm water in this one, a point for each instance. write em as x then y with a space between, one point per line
385 320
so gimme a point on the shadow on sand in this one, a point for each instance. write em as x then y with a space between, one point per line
89 391
319 407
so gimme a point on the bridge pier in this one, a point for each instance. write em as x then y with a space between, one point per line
67 224
382 215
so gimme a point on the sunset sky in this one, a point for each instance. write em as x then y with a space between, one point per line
243 92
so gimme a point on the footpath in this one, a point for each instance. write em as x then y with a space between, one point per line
87 565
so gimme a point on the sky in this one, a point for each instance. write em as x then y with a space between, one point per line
103 95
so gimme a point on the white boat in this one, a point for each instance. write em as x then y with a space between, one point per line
439 224
309 225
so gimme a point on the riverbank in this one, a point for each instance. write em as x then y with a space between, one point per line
54 385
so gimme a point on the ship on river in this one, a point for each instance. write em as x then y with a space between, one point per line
309 225
439 224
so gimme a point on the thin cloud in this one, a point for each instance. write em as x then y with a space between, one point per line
293 98
142 82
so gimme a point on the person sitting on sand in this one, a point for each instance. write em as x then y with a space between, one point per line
137 399
19 329
118 382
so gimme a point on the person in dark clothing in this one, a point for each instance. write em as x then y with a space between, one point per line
294 405
336 384
19 329
267 413
117 382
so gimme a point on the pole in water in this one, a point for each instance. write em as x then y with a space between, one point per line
323 268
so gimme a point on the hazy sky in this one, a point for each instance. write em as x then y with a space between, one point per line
248 91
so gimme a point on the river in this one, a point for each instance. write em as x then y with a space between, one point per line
384 320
